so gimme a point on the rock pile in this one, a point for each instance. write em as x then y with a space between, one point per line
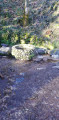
26 51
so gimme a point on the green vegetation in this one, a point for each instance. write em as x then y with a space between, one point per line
9 36
31 56
56 44
39 22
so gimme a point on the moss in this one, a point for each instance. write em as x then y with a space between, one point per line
23 52
25 20
31 56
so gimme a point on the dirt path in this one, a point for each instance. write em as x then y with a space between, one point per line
29 90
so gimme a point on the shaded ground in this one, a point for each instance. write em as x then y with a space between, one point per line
29 90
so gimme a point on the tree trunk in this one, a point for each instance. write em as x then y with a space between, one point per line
26 13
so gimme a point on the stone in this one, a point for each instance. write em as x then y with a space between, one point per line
38 58
55 53
5 45
41 68
26 51
44 58
56 67
23 51
41 51
5 50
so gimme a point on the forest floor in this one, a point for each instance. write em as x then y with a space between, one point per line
29 90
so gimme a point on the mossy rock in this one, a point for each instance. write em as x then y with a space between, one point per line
23 51
26 51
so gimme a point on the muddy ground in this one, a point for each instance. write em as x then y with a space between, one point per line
29 90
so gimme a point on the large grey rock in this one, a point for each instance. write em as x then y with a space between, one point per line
26 51
5 50
41 51
5 45
55 53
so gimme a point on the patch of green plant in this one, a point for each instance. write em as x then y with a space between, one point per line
41 40
0 37
34 40
48 45
54 6
19 12
14 22
3 22
25 36
20 21
14 37
0 8
30 19
31 56
5 37
9 36
56 44
7 14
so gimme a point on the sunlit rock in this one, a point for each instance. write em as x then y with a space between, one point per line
23 51
26 51
5 50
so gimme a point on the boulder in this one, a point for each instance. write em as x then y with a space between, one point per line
26 51
5 45
41 51
23 51
55 53
38 58
5 50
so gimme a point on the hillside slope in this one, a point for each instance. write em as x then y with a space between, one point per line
44 16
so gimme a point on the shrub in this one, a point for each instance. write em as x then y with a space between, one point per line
9 36
56 44
7 14
34 40
25 36
54 6
5 37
